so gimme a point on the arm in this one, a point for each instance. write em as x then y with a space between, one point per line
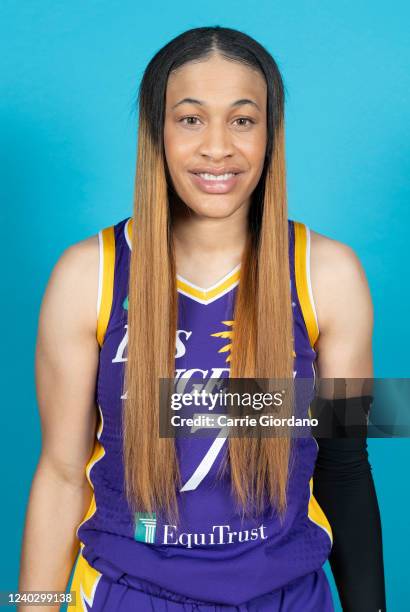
65 367
343 482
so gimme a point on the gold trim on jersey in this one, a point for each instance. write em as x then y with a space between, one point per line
107 262
98 453
304 291
205 296
199 294
316 514
302 277
84 584
85 577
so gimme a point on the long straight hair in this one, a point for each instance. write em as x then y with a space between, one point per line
262 344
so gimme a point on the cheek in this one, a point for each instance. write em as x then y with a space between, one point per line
168 145
177 154
254 148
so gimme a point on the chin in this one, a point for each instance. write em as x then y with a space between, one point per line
218 209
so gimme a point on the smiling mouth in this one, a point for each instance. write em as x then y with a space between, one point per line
215 183
215 177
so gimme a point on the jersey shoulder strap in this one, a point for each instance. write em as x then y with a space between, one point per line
106 241
112 248
303 279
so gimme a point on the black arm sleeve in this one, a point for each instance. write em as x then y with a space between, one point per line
344 488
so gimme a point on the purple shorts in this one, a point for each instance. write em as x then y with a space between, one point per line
97 592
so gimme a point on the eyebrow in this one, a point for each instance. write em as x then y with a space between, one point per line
240 102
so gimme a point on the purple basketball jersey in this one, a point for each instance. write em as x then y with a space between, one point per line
213 554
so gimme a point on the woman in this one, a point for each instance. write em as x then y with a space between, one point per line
166 528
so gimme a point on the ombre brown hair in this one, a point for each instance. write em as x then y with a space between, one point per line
262 343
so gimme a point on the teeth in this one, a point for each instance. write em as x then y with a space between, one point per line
215 177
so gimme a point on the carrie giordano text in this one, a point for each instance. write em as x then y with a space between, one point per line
205 421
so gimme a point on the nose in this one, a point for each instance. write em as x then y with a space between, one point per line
216 141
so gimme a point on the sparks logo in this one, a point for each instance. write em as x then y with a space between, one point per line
125 303
226 335
145 527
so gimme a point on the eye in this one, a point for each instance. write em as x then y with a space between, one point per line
188 117
250 121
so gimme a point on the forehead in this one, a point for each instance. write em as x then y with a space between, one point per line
216 81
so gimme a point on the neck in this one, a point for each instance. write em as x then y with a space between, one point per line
210 237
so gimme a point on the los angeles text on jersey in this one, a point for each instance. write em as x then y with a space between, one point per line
220 534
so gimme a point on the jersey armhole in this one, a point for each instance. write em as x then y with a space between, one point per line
106 241
303 280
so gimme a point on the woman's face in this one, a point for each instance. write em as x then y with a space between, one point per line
215 134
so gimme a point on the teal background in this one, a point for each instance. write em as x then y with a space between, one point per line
70 72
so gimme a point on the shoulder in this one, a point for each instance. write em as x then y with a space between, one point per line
81 283
334 258
79 253
72 289
339 284
79 262
82 260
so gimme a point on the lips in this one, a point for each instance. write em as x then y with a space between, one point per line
221 185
